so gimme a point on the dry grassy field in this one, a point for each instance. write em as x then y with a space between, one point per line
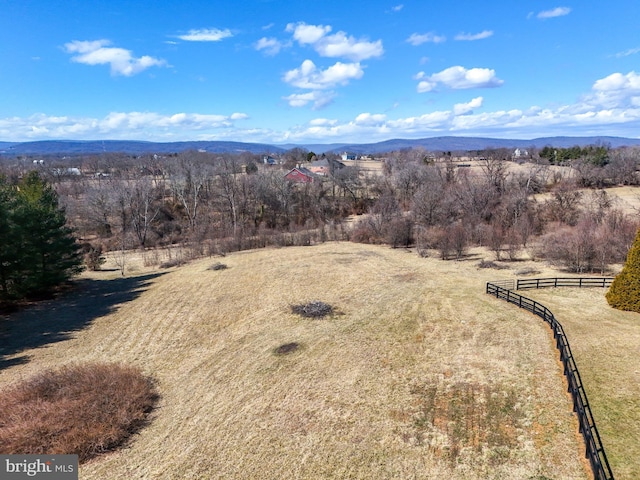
417 373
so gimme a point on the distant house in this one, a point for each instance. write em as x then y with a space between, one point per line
269 160
66 172
347 156
300 175
325 166
519 153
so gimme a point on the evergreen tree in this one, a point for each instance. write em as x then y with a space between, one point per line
38 249
624 293
9 241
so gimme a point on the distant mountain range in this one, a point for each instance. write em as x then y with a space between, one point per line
77 147
132 147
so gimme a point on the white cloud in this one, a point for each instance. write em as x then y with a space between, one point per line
319 122
317 98
458 78
535 121
614 91
116 125
370 119
340 45
418 39
618 81
611 107
307 34
397 8
308 76
270 46
238 116
121 61
627 53
206 35
465 108
432 120
555 12
337 45
474 36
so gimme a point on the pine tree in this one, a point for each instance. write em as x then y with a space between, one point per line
38 249
9 241
624 293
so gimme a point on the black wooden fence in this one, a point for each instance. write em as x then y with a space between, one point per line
523 283
594 449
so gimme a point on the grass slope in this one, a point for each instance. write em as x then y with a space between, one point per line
417 373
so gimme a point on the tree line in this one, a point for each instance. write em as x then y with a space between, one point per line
215 203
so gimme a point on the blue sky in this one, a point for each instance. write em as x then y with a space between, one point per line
317 72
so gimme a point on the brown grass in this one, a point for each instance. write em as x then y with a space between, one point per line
85 410
422 375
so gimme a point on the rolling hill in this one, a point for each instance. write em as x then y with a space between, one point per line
417 373
448 143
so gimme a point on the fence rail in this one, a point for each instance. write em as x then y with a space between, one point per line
594 449
524 283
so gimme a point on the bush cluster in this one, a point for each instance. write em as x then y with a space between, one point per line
85 410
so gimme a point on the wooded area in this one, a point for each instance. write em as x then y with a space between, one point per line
215 203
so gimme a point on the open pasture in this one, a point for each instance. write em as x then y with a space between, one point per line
416 372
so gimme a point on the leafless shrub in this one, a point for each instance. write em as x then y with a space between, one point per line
174 262
218 266
85 410
315 309
490 264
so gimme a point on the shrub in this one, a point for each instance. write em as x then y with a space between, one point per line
93 258
84 410
314 309
489 264
399 232
218 266
174 262
624 293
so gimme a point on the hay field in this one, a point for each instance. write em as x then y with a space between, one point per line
418 374
606 344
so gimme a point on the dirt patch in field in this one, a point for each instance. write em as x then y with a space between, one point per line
287 348
463 419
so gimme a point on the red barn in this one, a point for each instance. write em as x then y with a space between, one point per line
300 175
